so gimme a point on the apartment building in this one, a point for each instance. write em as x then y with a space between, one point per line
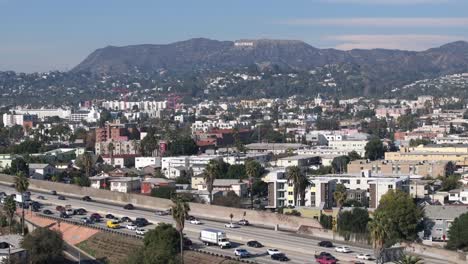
349 145
173 167
241 158
10 120
277 188
298 160
275 148
125 184
44 112
454 153
431 169
129 147
141 162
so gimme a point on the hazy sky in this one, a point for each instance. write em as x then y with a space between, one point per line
57 34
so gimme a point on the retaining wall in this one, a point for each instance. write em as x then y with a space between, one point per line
261 218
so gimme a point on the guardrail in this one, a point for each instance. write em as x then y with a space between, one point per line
118 232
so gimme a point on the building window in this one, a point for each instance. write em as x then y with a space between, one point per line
358 181
290 193
390 186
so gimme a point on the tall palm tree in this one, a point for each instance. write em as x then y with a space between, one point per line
303 185
378 235
212 171
406 259
87 160
10 210
180 211
110 149
21 185
340 195
252 169
295 176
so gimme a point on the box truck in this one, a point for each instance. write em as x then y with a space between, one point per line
214 237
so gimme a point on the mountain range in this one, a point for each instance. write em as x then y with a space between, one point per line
380 68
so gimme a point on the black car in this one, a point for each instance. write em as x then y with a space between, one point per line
79 211
61 197
187 243
125 219
64 215
47 212
110 216
129 207
254 243
86 199
326 244
141 222
53 192
279 256
324 254
191 217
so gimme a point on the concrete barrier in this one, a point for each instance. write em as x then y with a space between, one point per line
437 253
260 218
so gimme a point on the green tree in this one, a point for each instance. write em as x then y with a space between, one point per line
253 171
374 149
10 210
353 223
458 233
212 172
110 150
44 246
326 221
340 195
407 122
450 183
260 188
182 146
86 163
399 216
149 144
18 165
180 212
231 199
21 185
299 181
340 164
236 171
406 259
353 155
165 192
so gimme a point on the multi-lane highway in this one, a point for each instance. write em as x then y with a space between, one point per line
298 248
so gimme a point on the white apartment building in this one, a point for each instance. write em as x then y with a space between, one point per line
44 113
277 188
143 106
349 145
141 162
220 124
91 116
451 139
173 166
10 120
298 160
125 184
241 158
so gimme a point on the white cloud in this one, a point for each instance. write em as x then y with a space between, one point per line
403 42
387 2
382 22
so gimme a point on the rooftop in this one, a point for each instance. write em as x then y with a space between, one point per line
448 212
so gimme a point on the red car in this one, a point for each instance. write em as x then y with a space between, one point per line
326 260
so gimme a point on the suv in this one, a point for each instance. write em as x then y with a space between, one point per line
128 207
254 243
141 222
326 244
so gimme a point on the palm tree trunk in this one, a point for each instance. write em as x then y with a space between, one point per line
251 193
22 220
181 246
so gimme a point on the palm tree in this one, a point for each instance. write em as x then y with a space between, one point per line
406 259
110 149
303 185
180 211
21 185
87 162
340 195
378 235
296 177
212 171
10 209
231 216
252 169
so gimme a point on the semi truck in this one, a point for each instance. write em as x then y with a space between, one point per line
214 237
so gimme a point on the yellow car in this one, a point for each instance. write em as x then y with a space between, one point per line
113 224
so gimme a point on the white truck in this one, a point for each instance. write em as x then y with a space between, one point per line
20 199
214 237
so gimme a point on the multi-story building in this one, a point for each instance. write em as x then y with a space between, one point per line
349 145
298 160
277 188
454 153
241 158
431 169
44 113
10 120
226 185
130 147
125 184
275 148
144 106
117 132
141 162
172 167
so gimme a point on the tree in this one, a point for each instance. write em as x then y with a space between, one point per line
44 246
326 221
450 168
353 155
236 171
253 170
231 216
407 122
231 199
353 223
339 164
399 217
260 188
374 149
450 183
299 181
212 172
18 165
406 259
86 163
110 150
10 210
458 233
165 192
182 146
21 185
180 211
160 246
340 195
149 143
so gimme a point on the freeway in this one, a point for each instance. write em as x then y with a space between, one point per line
299 249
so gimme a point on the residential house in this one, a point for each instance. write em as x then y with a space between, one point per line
153 183
10 248
438 219
125 184
41 171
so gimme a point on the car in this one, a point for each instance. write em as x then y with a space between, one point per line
343 249
190 217
69 212
325 260
272 251
96 217
112 224
124 219
40 197
187 243
109 216
231 225
131 227
79 211
326 244
141 231
279 257
195 221
243 222
60 208
163 212
324 254
86 198
64 215
47 212
254 243
242 253
53 192
129 207
87 220
61 197
141 222
364 256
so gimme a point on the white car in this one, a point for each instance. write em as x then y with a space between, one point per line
240 252
195 221
231 225
141 231
131 227
364 256
343 249
272 251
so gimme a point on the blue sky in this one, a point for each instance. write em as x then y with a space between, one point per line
58 34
